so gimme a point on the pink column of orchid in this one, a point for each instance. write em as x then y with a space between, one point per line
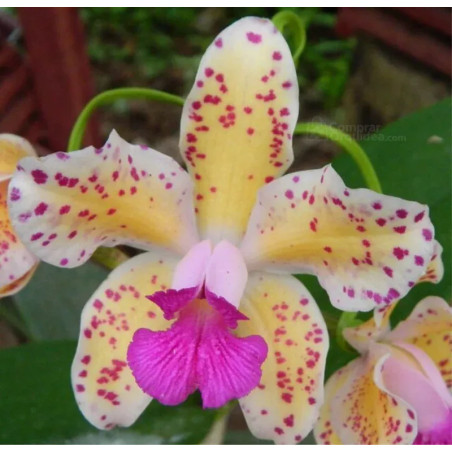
211 305
398 391
17 264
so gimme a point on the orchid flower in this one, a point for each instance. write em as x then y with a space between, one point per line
17 264
225 317
397 391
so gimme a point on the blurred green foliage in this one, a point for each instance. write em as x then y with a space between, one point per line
154 41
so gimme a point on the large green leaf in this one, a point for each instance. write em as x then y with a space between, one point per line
37 405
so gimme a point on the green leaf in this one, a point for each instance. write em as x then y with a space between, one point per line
37 405
52 302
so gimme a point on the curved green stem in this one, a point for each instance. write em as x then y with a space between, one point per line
349 145
108 97
289 19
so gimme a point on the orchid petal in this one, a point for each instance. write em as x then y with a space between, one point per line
104 386
191 269
362 336
323 430
403 378
226 274
237 124
429 327
435 269
197 351
285 405
367 249
17 264
12 149
364 411
64 206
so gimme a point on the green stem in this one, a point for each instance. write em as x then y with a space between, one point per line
291 20
349 145
108 97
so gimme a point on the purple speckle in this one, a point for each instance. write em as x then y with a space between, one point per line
388 271
289 194
41 209
427 234
15 194
419 260
254 37
39 176
62 155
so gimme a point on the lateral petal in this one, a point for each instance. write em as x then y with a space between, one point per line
286 404
64 206
367 249
104 387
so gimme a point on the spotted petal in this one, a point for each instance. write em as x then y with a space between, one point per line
12 149
435 269
364 411
286 404
17 264
429 327
64 206
103 384
367 249
323 430
237 124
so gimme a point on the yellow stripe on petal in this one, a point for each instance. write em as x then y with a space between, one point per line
363 411
237 124
429 327
362 336
12 149
17 264
104 386
367 249
64 206
285 405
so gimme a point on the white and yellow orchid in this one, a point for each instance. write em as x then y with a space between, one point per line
220 238
397 391
17 264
